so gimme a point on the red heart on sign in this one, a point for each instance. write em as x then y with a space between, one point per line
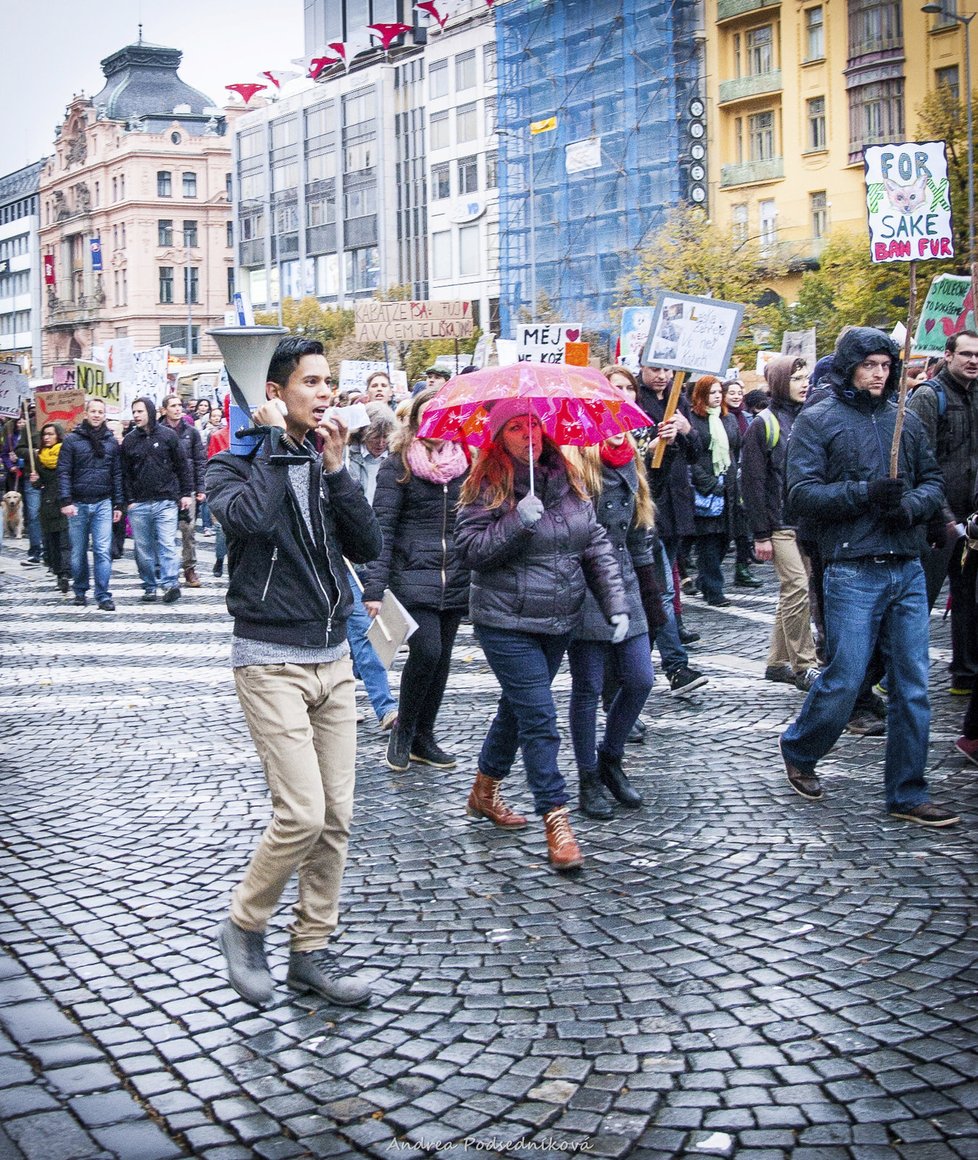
948 325
929 324
573 335
465 307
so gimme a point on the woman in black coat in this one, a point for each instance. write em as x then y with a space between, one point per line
54 526
415 501
714 475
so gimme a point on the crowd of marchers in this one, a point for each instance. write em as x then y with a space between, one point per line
551 552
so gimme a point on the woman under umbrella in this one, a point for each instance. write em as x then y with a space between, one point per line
533 554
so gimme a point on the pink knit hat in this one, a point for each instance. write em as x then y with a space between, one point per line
507 409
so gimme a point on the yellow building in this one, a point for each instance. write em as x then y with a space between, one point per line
796 89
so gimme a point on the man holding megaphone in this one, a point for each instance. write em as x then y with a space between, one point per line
290 515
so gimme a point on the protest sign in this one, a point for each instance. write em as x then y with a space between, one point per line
377 321
693 334
62 407
948 309
355 372
800 344
545 341
63 378
908 199
13 388
149 374
636 322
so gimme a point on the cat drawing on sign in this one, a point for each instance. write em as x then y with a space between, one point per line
906 198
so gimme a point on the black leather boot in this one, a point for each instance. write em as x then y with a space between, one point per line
594 802
614 779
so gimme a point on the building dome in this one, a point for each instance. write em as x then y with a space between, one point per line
141 84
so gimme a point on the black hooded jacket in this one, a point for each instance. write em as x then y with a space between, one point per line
154 463
842 443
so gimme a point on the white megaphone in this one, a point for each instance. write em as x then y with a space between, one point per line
247 351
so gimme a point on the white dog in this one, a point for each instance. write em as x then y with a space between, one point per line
13 515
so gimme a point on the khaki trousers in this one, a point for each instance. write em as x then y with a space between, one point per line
302 719
188 541
791 637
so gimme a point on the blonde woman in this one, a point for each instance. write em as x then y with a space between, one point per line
616 483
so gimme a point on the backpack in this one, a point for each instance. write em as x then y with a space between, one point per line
772 433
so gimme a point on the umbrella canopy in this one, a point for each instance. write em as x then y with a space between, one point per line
576 405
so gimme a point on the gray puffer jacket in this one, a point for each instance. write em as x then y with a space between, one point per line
615 508
535 579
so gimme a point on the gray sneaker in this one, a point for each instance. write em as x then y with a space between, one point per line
322 972
248 972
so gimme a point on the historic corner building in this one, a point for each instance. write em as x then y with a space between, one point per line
135 232
418 167
796 91
20 269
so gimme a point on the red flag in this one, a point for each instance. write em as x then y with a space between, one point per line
388 32
49 279
246 91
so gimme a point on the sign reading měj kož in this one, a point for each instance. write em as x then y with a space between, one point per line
908 198
545 341
377 321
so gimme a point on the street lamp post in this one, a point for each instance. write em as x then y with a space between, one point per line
187 259
940 10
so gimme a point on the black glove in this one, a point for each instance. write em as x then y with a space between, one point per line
937 531
900 518
886 494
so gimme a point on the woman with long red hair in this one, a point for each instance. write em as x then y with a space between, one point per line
714 475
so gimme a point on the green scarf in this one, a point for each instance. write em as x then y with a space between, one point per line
719 443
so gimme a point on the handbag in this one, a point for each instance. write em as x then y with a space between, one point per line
709 506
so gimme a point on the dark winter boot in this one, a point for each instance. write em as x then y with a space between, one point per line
613 776
594 802
744 578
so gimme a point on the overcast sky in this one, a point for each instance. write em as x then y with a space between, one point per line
52 49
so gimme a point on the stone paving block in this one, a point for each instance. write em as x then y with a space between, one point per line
50 1136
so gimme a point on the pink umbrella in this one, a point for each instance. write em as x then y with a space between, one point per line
576 406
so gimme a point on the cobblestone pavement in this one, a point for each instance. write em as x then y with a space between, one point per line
736 971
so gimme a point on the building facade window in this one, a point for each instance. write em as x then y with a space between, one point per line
875 115
760 136
164 183
166 284
191 285
230 234
190 234
815 33
468 174
767 223
465 71
874 26
438 80
760 50
230 281
740 224
466 123
488 63
815 117
438 131
362 269
818 213
190 185
949 78
440 181
492 169
441 255
469 252
164 232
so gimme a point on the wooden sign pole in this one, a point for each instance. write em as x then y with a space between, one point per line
671 403
902 398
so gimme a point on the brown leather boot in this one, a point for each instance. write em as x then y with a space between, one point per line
562 848
191 578
485 801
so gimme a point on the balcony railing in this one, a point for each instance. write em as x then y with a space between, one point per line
726 9
749 172
752 86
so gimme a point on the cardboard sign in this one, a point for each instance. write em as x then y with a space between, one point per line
636 322
411 321
577 354
800 344
908 197
545 341
693 334
63 407
63 378
150 374
948 309
13 388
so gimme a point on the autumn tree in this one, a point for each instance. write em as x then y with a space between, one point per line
688 254
941 116
310 319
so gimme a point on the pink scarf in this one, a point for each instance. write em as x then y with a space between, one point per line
436 462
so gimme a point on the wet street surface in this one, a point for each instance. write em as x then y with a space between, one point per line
735 972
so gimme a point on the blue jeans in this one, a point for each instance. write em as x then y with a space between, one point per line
220 543
671 652
154 530
525 665
367 664
32 518
206 519
864 601
632 660
95 520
